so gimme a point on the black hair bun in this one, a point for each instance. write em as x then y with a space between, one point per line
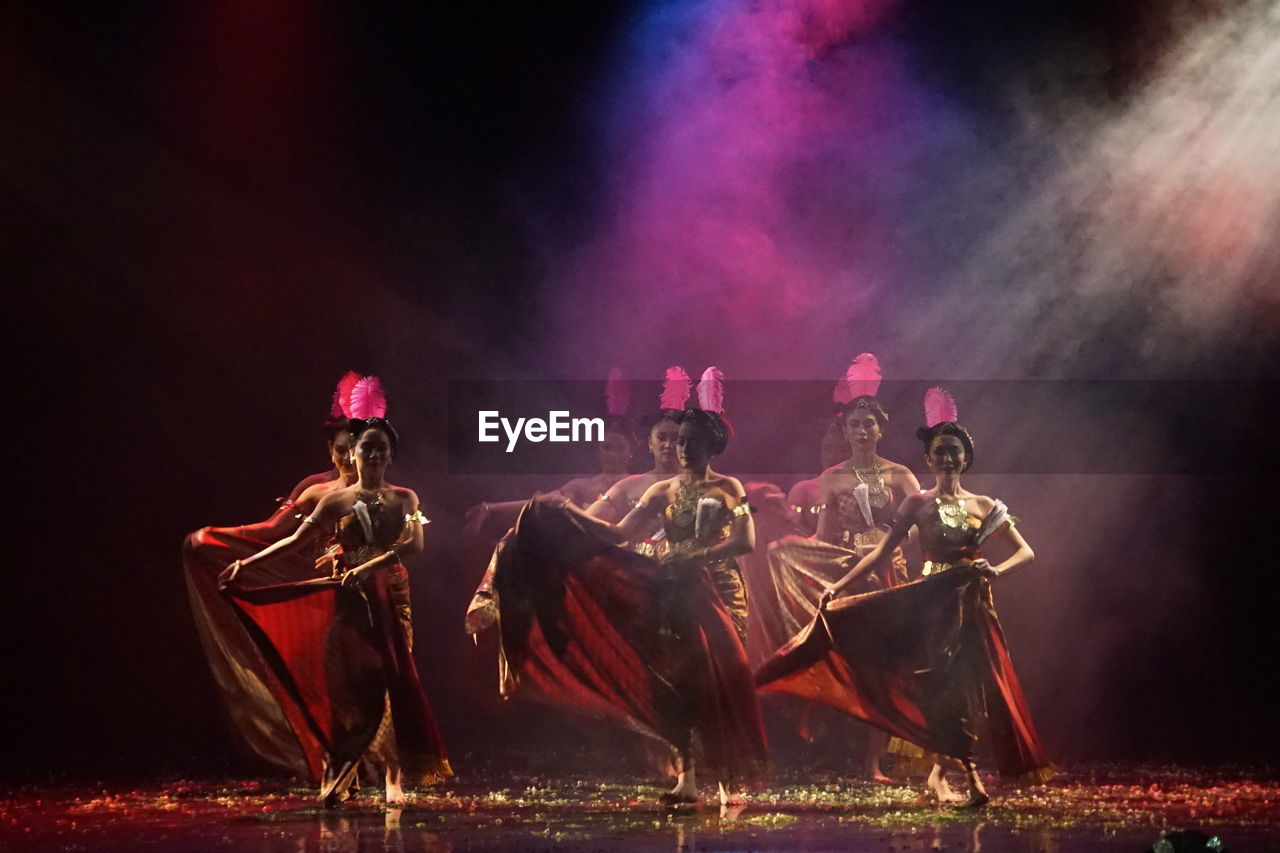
711 424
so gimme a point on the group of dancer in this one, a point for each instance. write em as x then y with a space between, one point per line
622 597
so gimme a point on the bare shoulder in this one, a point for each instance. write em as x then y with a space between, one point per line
633 480
617 490
314 492
324 478
732 486
912 503
835 473
405 494
659 494
897 469
635 486
802 493
982 503
339 501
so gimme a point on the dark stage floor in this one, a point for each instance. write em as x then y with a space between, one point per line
1088 808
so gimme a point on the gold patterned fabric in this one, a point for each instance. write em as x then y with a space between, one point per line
342 656
926 661
606 631
801 569
685 532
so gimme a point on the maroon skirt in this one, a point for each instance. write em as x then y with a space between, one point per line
341 658
613 633
926 662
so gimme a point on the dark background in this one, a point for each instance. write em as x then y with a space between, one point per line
210 211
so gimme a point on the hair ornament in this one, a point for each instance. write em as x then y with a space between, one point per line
368 400
862 379
341 406
939 407
617 394
675 389
711 391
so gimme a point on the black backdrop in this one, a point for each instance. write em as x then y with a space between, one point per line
184 292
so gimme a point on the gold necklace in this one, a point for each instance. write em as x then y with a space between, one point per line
370 497
952 514
877 494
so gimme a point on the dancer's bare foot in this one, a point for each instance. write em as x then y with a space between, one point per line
685 791
731 796
395 793
879 778
937 784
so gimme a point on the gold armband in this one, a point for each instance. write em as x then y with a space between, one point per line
743 508
418 517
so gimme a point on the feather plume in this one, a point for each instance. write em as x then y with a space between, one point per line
939 406
841 393
862 494
675 389
711 390
617 394
368 399
707 510
341 407
863 376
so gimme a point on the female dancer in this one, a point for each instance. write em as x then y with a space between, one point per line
613 504
613 453
242 676
857 497
803 498
662 436
654 645
341 647
926 661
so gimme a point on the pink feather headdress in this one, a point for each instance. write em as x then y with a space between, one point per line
341 407
368 399
841 394
863 376
617 394
711 391
675 389
939 407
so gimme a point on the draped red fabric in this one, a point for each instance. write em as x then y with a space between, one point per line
338 656
247 685
605 630
926 661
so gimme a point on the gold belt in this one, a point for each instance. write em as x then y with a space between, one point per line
932 568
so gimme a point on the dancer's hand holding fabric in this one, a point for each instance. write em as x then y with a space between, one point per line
327 563
985 568
633 524
882 549
693 558
228 575
356 576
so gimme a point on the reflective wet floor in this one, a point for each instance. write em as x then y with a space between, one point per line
1091 808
